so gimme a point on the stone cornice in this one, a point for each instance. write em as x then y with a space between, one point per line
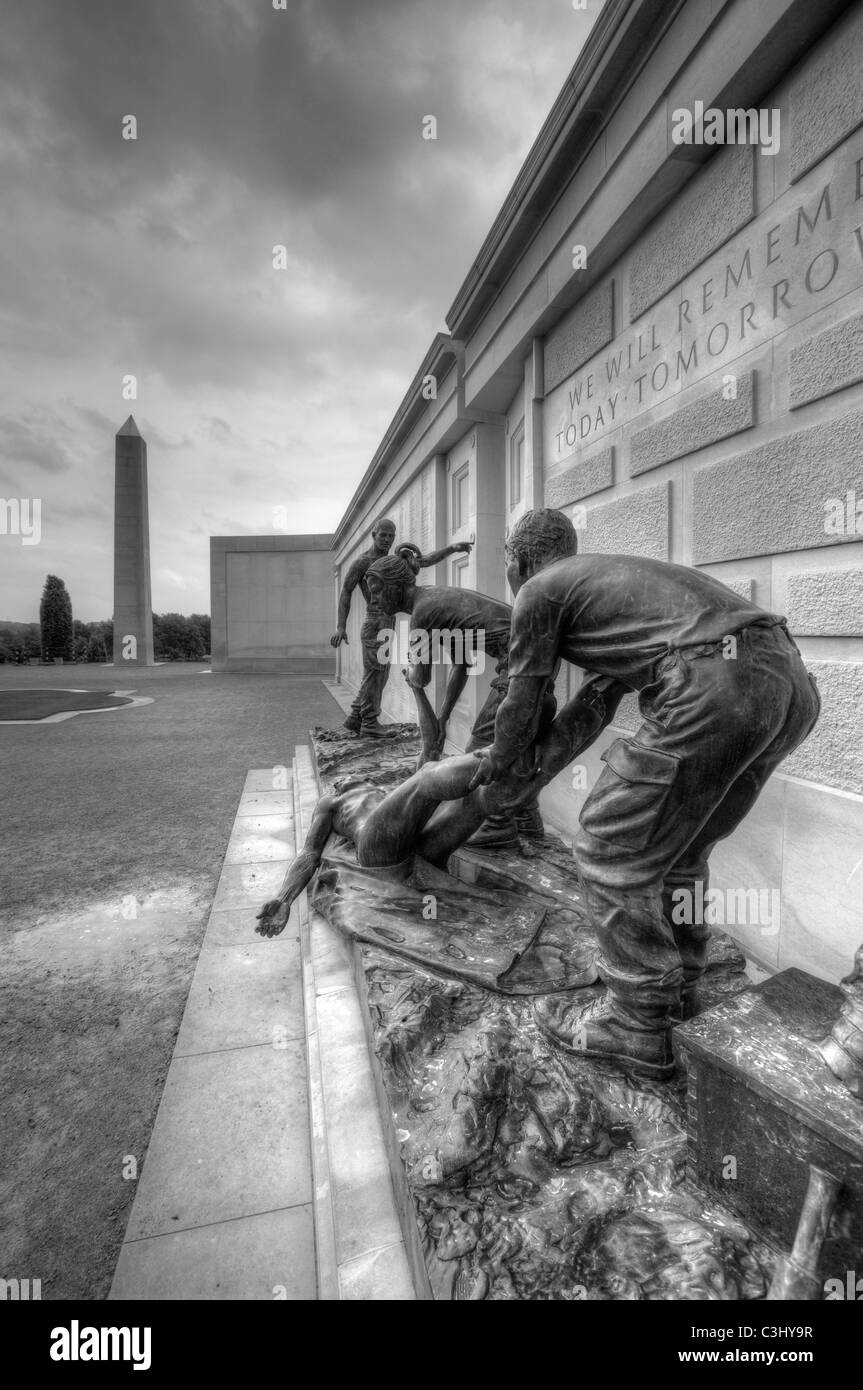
616 49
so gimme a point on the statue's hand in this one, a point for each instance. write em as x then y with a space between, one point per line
464 546
554 752
339 637
273 917
489 769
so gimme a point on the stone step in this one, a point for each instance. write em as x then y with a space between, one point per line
361 1253
224 1204
266 1174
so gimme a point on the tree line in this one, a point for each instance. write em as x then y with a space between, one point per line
59 634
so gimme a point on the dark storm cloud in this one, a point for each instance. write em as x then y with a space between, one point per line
311 101
158 440
96 420
33 444
154 257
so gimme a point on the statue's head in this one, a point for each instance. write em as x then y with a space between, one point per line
391 583
537 539
411 554
383 535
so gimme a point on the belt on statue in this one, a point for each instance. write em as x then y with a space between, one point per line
712 648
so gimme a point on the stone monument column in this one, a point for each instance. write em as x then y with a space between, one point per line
133 609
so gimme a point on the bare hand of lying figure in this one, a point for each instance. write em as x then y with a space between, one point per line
273 917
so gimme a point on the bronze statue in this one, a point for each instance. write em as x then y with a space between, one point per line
725 696
364 717
843 1049
433 811
464 622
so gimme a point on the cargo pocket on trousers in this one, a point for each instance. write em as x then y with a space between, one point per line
629 797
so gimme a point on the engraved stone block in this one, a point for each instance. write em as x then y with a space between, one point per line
718 201
826 603
826 363
831 753
694 426
586 329
585 477
775 498
827 102
633 525
744 587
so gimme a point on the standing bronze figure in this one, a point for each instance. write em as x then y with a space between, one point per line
724 695
459 624
364 717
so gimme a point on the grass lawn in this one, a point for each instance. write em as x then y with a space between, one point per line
98 812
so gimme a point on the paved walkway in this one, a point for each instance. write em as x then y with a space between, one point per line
266 1174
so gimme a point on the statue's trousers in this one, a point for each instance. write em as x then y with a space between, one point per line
718 718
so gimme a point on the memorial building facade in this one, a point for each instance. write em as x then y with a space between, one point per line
665 340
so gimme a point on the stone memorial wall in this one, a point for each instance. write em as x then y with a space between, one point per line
693 393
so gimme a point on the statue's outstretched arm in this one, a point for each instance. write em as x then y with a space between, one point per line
435 556
273 916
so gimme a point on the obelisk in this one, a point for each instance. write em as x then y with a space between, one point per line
133 609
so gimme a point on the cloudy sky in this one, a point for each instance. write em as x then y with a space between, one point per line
257 388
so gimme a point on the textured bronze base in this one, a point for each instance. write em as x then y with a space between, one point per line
522 1172
530 1174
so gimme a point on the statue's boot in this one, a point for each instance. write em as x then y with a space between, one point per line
608 1030
353 723
496 832
692 943
638 961
371 728
691 1002
843 1052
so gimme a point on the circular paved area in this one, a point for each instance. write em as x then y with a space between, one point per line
34 703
